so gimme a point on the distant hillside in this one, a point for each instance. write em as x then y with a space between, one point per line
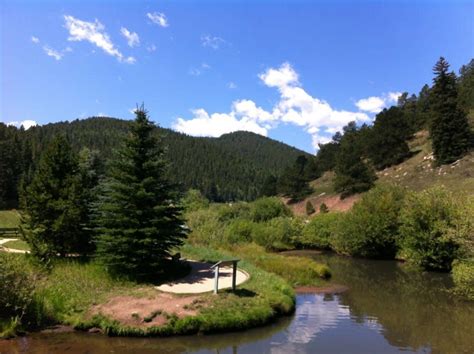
415 173
232 167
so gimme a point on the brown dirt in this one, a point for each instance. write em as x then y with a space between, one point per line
131 311
333 202
330 289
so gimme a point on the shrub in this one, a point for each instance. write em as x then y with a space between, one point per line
318 232
232 211
278 233
205 227
463 276
194 200
267 208
17 285
323 208
309 208
430 225
239 231
370 229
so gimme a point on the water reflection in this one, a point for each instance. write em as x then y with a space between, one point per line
388 309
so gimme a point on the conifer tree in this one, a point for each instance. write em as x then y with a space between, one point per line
387 138
353 175
138 216
450 133
309 208
53 219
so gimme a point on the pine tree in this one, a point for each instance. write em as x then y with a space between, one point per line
353 175
53 219
387 138
309 208
293 182
450 133
138 216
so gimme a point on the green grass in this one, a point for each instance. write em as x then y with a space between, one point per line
17 244
256 302
66 293
9 218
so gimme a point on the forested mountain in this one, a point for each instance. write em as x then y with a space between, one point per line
232 167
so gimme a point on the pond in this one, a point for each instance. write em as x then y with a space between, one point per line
388 308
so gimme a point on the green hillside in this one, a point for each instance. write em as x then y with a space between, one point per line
232 167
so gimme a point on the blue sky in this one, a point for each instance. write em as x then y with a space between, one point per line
296 71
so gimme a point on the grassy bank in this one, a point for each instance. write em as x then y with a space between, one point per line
9 218
67 293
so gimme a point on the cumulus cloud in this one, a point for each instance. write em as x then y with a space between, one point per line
216 124
158 18
231 85
295 106
35 39
94 32
375 104
212 41
132 37
27 124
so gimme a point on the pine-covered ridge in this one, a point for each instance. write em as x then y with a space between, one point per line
231 167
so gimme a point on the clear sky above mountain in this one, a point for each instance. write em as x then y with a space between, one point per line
296 71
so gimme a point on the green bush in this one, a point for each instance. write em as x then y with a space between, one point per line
18 282
463 276
370 229
309 208
205 227
193 200
267 208
431 225
231 211
318 232
239 231
278 233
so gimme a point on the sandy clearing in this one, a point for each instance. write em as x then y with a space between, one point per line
201 279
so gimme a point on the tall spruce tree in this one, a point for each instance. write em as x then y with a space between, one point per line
138 216
54 212
450 133
353 175
387 138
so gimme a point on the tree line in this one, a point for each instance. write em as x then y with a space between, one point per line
232 167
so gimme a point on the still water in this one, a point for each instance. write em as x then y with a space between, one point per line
387 309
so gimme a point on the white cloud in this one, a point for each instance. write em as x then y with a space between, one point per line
132 37
27 124
375 104
212 41
151 48
52 53
295 106
231 85
198 71
281 77
94 32
216 124
35 39
158 18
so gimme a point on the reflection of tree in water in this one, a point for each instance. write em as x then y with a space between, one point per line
413 307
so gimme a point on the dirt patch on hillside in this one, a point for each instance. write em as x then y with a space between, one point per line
333 202
149 311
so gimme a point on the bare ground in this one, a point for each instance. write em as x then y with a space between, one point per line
132 311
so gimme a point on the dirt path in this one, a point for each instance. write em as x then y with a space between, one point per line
201 280
10 250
